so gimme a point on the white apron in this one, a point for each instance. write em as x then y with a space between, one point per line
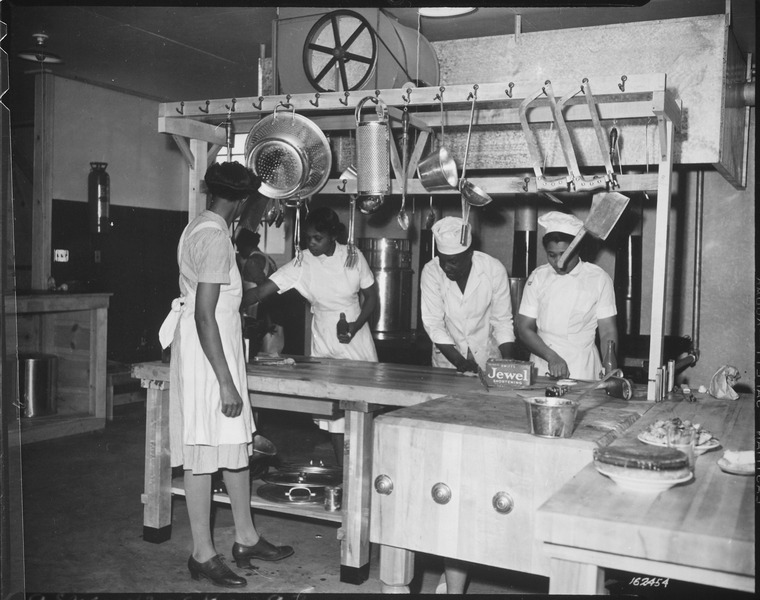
195 416
561 313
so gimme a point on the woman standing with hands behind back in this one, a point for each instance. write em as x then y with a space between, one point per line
210 422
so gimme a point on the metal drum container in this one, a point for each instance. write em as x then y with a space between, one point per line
38 383
391 263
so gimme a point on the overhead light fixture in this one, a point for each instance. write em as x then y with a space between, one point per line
39 53
437 11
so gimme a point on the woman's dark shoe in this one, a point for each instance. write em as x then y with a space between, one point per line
262 550
216 571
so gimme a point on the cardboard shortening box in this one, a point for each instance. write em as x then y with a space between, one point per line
502 372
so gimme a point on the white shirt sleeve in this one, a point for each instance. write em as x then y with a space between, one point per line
366 278
501 305
529 302
287 276
431 305
606 306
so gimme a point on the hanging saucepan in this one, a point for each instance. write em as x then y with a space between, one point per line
438 170
471 192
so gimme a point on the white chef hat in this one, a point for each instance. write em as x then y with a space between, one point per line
561 222
447 234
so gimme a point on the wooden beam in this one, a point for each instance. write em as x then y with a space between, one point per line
197 197
42 179
190 128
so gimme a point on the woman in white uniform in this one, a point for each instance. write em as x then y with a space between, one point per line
467 313
465 301
210 421
330 288
561 309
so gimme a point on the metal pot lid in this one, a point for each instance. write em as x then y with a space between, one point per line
291 494
317 467
301 478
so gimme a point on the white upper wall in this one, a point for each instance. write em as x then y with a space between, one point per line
98 124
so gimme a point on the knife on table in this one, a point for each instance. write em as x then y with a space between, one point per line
481 374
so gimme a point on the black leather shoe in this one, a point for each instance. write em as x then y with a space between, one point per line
216 571
262 550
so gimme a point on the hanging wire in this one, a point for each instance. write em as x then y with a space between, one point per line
551 147
646 142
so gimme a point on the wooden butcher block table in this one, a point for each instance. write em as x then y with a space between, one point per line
462 477
316 386
702 531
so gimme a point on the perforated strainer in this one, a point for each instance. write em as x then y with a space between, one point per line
289 153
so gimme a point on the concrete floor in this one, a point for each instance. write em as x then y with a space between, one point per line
83 526
83 523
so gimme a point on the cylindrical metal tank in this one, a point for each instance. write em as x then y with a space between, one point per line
38 383
391 262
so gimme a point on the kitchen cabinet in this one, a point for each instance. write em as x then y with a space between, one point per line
73 327
461 477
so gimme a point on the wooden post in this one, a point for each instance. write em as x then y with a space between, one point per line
157 498
660 268
42 184
197 199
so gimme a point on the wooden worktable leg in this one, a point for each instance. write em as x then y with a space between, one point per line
569 577
396 569
157 498
357 471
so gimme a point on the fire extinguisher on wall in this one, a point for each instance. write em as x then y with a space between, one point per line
98 197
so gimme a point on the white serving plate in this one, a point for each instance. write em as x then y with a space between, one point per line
701 449
736 469
637 484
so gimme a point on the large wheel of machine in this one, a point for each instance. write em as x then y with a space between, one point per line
341 40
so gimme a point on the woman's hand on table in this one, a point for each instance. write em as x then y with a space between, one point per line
558 367
232 403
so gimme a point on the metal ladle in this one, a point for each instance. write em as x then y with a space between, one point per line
403 217
471 192
431 216
271 214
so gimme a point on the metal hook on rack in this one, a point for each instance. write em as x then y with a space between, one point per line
377 94
231 108
261 101
439 95
543 89
315 102
200 108
508 91
474 92
526 183
344 102
181 109
621 85
408 95
343 188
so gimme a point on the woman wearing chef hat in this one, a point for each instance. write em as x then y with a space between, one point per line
467 312
465 301
561 309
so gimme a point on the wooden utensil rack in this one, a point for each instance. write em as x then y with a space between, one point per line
198 127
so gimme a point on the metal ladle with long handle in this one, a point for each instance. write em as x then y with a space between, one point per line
471 193
403 217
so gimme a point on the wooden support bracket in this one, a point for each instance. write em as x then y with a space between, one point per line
184 148
190 128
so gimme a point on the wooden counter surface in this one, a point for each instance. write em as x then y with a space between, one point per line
702 531
359 382
43 302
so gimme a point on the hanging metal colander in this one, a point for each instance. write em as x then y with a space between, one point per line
289 153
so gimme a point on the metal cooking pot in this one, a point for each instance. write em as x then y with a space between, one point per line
438 171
